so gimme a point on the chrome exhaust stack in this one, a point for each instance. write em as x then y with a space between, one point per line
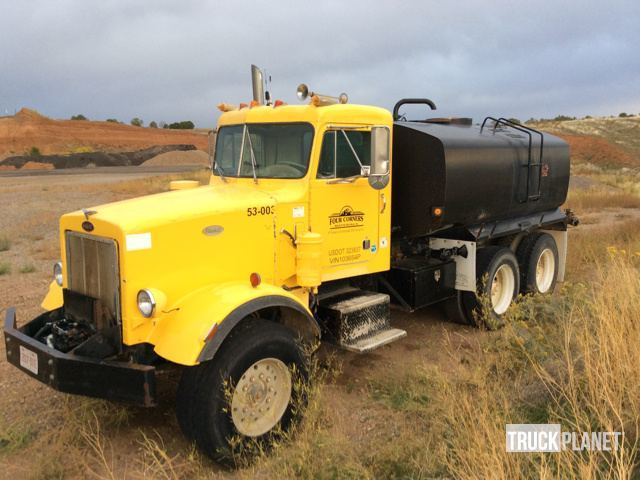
257 82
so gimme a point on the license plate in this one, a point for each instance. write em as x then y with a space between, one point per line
28 360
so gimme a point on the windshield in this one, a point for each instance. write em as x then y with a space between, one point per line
276 150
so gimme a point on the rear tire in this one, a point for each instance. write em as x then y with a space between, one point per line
249 395
455 310
538 258
498 284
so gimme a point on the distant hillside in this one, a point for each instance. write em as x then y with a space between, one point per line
607 142
21 133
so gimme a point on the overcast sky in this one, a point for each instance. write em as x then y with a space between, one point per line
177 59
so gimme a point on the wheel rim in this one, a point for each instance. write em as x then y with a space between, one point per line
261 397
502 288
545 270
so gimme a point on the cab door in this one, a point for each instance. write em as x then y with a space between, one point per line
345 209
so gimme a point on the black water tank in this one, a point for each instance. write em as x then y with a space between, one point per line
476 176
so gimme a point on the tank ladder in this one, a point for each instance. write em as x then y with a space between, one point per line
532 194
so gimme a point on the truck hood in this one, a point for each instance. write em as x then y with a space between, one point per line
146 212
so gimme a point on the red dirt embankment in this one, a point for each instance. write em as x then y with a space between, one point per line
598 151
27 129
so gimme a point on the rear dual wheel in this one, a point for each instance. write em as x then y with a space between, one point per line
538 258
502 275
498 284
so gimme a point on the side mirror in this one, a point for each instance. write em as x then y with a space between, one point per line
380 155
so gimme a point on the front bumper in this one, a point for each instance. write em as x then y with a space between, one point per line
69 373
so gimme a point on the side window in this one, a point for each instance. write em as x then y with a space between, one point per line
344 153
228 146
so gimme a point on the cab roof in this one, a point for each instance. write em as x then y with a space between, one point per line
339 113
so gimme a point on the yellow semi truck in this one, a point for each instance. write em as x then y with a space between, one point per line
316 218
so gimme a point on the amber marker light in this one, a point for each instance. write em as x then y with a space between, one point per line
255 279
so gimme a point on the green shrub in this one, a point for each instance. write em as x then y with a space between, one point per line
623 115
153 124
137 122
563 118
184 125
112 120
34 152
28 268
5 268
5 244
79 117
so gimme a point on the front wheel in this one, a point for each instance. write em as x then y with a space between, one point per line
248 396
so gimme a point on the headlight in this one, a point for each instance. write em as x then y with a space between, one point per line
146 303
57 273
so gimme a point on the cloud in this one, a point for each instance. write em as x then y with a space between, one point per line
169 60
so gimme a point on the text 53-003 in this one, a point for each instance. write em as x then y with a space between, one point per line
251 211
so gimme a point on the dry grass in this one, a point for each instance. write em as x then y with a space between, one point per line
5 244
5 268
27 268
598 199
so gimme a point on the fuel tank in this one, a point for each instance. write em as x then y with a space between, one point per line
455 174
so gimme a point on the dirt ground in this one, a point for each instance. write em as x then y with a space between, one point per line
29 215
28 129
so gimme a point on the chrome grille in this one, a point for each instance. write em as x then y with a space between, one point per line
92 269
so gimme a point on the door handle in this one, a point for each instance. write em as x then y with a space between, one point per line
384 203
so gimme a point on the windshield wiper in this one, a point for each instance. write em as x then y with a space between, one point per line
253 158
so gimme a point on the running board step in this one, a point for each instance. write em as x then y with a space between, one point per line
358 320
366 344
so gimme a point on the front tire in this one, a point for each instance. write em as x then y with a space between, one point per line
249 395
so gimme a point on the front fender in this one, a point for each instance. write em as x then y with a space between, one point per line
181 335
53 299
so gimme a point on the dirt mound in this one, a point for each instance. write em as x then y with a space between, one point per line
193 157
28 129
29 115
37 166
598 151
615 141
96 159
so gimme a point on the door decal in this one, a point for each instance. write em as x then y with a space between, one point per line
346 218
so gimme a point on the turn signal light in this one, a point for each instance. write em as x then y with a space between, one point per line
278 103
255 279
437 211
254 103
226 107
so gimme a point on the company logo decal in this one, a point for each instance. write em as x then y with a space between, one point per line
346 218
